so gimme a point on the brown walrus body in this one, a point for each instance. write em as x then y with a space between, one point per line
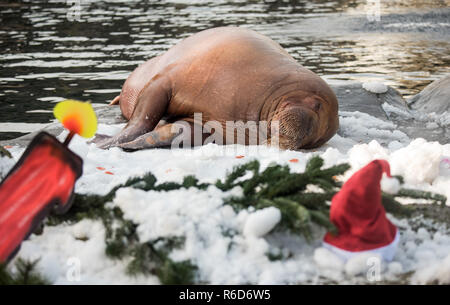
226 74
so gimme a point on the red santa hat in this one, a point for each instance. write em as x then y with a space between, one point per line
357 212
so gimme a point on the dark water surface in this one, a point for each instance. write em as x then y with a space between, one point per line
50 50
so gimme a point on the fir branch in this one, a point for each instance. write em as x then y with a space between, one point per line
25 274
314 200
314 164
237 173
418 194
391 205
153 258
323 220
4 152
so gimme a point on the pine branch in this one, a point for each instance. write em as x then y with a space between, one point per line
4 152
418 194
391 205
153 258
25 274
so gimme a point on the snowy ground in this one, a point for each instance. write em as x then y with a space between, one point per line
201 217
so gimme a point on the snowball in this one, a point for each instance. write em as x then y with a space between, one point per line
410 247
390 185
424 255
423 233
375 87
262 221
326 259
395 268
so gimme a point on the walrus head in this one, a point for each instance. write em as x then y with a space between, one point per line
304 122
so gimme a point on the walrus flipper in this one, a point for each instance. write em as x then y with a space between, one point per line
159 137
150 109
129 133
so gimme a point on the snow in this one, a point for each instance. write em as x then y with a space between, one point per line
375 87
231 247
431 120
326 259
60 249
260 222
418 162
360 264
426 252
5 164
361 127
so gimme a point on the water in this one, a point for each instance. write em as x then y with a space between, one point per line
50 50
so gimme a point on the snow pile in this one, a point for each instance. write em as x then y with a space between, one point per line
424 251
418 162
76 254
226 247
231 247
375 87
360 127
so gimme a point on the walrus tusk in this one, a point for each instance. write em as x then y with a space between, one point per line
115 101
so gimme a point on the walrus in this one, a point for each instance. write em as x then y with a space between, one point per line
226 74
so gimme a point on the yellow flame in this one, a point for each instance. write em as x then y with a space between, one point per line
77 116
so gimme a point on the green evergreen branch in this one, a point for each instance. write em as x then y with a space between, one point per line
418 194
4 152
25 274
